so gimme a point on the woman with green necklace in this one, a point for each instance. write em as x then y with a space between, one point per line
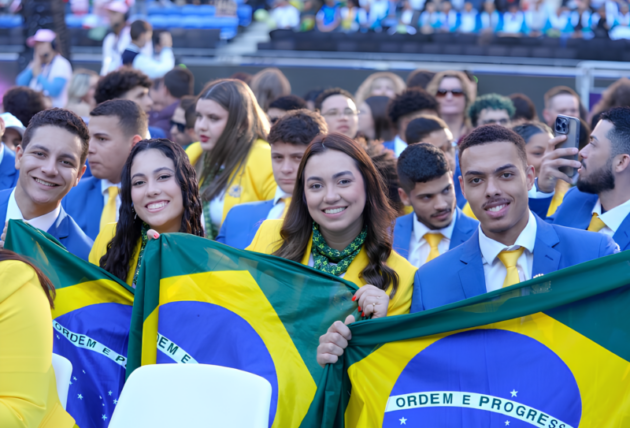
339 222
159 194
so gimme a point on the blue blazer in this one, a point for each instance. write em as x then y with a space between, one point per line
459 195
390 145
458 274
85 205
8 174
64 229
242 223
462 230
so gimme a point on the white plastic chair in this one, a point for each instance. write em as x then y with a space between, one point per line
63 373
192 396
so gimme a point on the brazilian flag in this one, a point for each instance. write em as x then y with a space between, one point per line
551 352
198 301
91 322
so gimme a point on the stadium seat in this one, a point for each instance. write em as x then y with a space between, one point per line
497 50
519 51
63 374
431 48
266 46
10 21
284 45
475 50
390 47
281 34
410 47
452 49
347 46
192 396
543 52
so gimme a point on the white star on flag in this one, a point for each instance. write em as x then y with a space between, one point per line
83 371
103 404
115 401
403 421
507 423
110 393
104 417
74 378
57 336
70 382
80 397
514 392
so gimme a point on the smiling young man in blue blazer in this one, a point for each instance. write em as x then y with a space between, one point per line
436 225
115 127
288 138
512 244
51 159
601 200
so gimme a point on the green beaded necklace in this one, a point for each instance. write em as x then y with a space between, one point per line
143 244
333 261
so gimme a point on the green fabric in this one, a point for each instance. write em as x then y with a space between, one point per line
590 298
211 229
143 243
333 261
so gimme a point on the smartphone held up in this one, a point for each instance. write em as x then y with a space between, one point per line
569 126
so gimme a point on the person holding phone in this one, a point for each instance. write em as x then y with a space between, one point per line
49 72
601 200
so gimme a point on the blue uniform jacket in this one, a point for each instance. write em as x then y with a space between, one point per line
458 274
64 229
462 230
242 223
8 174
85 205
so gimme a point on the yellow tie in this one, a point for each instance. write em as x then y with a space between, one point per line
509 259
287 202
109 211
596 224
433 239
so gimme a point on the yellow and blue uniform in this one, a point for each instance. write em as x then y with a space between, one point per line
100 248
28 389
251 183
268 240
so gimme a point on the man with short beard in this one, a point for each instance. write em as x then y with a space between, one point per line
601 201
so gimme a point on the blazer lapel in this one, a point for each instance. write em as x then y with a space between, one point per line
4 203
472 278
622 235
546 258
61 227
402 234
583 214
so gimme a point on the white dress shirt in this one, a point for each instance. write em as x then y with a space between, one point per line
419 248
1 152
494 270
399 146
279 204
43 222
612 218
105 185
153 67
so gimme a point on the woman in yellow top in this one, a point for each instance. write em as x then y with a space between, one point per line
536 136
338 222
28 389
232 158
159 194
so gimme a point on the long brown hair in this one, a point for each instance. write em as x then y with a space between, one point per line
246 123
47 285
378 215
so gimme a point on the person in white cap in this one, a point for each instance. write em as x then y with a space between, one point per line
8 174
13 131
117 41
49 72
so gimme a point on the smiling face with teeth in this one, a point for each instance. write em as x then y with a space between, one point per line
155 191
335 196
496 181
49 167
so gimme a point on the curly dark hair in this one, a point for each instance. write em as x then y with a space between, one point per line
329 93
420 163
288 103
297 127
487 134
411 101
115 84
129 228
23 103
492 102
60 118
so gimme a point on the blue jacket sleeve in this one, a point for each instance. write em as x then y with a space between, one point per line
416 298
25 77
608 246
222 233
53 88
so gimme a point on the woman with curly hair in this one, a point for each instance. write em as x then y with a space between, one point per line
384 83
339 222
159 194
455 93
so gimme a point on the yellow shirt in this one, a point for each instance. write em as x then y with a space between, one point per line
556 201
28 389
100 248
268 240
252 183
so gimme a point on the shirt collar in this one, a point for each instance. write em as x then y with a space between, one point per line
106 184
419 229
280 194
43 222
490 248
613 218
399 145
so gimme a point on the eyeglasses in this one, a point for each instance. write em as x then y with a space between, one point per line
181 127
346 113
503 122
453 92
